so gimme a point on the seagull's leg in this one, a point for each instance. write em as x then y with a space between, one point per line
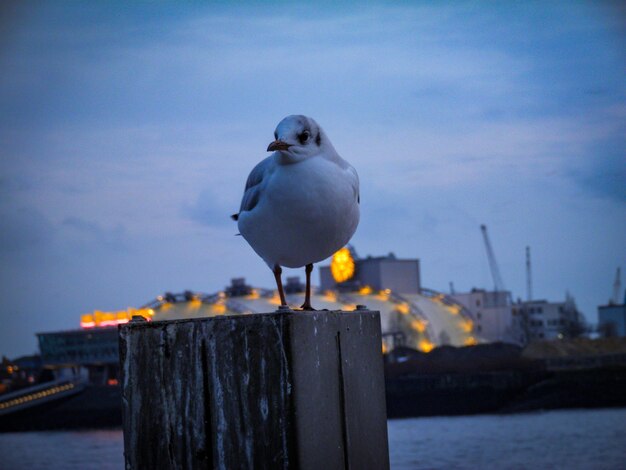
307 294
279 283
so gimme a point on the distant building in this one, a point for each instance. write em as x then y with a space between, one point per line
410 315
381 272
541 319
612 319
492 312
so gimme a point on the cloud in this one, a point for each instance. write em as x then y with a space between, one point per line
211 209
91 232
605 175
130 130
24 228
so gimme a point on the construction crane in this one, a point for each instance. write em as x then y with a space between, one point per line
493 265
617 287
529 280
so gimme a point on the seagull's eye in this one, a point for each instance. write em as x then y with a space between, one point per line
303 137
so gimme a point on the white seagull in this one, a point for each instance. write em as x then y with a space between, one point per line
301 204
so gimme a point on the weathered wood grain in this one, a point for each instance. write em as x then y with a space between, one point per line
265 391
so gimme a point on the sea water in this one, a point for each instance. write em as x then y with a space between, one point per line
568 439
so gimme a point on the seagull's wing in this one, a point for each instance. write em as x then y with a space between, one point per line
254 185
334 157
355 183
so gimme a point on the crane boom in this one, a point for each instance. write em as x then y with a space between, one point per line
617 287
529 280
493 265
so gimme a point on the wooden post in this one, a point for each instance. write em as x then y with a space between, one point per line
280 390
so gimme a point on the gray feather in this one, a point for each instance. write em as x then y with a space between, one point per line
255 183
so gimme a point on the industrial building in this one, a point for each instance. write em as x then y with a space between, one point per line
541 319
411 315
492 313
612 316
612 319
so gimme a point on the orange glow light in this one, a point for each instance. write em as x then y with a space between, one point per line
342 265
467 326
418 325
454 309
253 295
275 300
403 308
219 309
425 346
365 290
330 296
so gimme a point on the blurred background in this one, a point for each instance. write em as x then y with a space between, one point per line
128 132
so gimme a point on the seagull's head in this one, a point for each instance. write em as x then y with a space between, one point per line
297 138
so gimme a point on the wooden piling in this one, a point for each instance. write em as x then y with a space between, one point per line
280 390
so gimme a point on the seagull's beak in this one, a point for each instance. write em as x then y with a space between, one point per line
278 145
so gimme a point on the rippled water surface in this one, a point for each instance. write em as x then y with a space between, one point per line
572 439
569 439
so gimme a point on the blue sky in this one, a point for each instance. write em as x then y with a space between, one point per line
128 131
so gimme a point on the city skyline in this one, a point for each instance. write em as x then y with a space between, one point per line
129 131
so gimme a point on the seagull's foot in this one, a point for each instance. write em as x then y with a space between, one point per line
307 306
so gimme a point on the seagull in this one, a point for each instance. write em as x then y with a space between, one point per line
300 204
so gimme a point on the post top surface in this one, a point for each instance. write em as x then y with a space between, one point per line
255 317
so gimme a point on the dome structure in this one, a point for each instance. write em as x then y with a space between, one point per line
420 321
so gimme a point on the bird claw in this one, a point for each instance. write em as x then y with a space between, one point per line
308 307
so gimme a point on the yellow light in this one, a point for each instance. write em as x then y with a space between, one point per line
418 325
253 295
425 346
403 308
195 303
365 290
467 326
275 300
454 309
470 341
438 298
348 307
342 265
384 348
383 295
87 321
330 296
219 308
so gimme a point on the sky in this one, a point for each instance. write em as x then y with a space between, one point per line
127 133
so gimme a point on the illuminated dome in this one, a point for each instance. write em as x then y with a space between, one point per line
410 315
421 321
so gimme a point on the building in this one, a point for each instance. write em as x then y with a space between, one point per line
410 315
493 314
348 272
541 319
612 319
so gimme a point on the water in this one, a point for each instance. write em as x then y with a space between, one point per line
571 439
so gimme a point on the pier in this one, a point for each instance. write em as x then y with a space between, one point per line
277 390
